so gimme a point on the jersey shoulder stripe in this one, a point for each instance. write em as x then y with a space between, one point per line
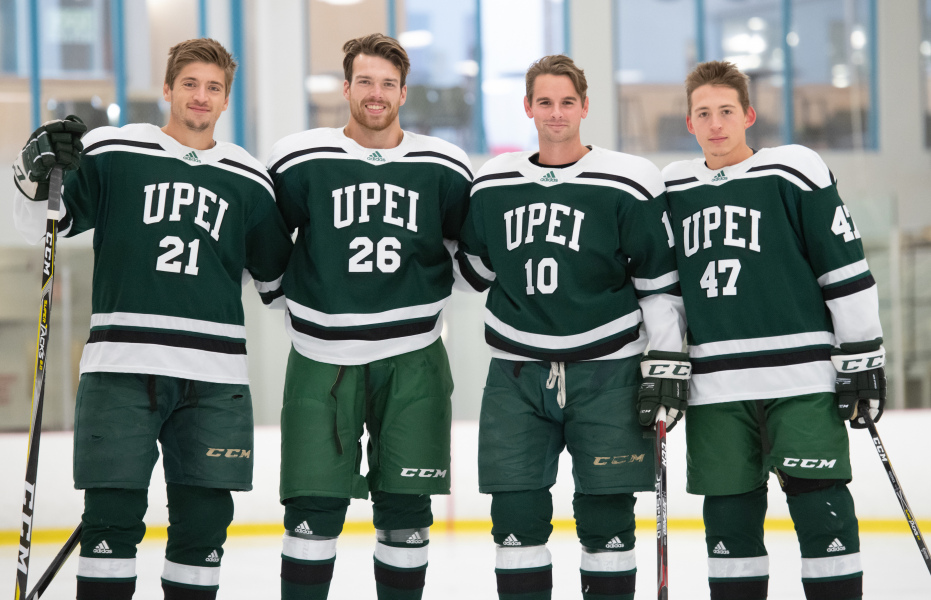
642 192
434 149
303 145
681 172
632 171
801 162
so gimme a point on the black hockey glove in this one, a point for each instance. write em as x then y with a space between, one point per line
665 383
54 143
860 378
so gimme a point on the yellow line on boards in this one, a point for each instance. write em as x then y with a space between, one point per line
159 532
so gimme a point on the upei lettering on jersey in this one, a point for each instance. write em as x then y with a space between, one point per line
728 225
399 207
208 212
547 218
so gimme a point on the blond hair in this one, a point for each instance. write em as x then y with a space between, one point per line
204 50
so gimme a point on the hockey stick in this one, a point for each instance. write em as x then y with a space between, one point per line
662 546
38 382
56 564
863 410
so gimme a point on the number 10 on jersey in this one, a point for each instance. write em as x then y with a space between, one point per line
547 272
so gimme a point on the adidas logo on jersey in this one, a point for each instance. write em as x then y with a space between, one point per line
835 546
511 541
719 177
103 548
214 557
549 178
614 542
720 549
191 156
303 528
375 157
415 539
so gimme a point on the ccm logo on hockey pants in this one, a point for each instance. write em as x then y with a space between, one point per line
409 472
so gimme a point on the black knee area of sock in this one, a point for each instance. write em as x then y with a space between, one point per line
793 486
324 516
197 521
114 515
615 585
525 582
407 579
306 574
528 515
842 589
740 590
600 518
177 592
105 590
401 511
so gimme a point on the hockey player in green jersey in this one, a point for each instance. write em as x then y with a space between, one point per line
179 220
375 208
572 243
782 310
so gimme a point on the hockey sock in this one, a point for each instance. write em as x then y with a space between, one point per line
402 529
197 522
605 525
312 525
112 528
738 566
829 538
521 526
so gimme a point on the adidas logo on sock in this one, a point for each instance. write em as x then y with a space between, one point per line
720 549
549 178
375 157
835 546
214 557
303 528
719 177
415 539
191 156
614 542
511 541
103 548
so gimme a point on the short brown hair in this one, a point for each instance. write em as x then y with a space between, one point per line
376 44
556 64
718 72
203 50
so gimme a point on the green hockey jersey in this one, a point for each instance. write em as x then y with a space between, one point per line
177 231
578 260
371 271
772 273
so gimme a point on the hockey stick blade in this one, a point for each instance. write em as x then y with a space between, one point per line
864 413
56 564
38 382
662 546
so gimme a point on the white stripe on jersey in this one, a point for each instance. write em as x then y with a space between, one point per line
843 273
153 359
777 342
611 184
242 172
563 342
854 316
646 285
180 324
760 383
479 267
358 352
388 317
314 156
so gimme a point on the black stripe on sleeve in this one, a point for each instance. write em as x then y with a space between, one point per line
589 353
460 164
618 178
175 340
848 288
758 362
477 283
131 143
676 182
508 175
373 334
293 155
787 169
256 172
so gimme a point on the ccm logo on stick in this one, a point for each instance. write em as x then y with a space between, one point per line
409 472
809 463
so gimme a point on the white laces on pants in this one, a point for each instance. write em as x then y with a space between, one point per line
558 377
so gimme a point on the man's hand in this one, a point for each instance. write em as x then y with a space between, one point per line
54 143
665 383
860 377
